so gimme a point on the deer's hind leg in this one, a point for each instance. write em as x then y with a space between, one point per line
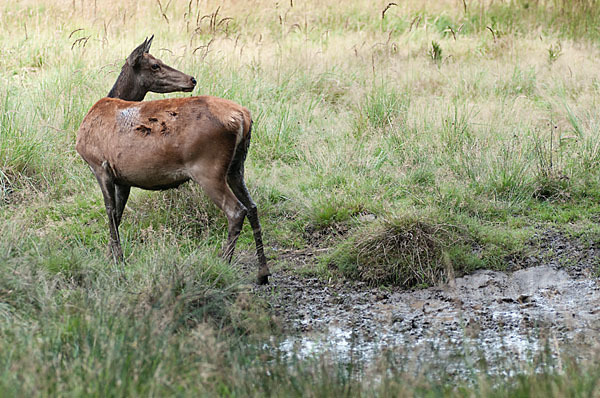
217 189
235 179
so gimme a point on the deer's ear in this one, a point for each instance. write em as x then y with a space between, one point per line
136 55
148 44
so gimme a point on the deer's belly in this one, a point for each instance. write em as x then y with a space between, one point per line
152 177
162 186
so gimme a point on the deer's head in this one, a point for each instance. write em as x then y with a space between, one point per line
151 74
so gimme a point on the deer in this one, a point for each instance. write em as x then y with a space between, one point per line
161 144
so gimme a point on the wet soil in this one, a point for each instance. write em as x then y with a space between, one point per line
548 306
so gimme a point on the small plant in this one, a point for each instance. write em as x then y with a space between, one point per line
551 182
435 52
554 51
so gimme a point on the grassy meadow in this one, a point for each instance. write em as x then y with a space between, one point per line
403 141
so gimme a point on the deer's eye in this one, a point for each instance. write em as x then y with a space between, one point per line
155 66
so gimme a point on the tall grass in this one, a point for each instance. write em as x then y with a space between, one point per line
361 146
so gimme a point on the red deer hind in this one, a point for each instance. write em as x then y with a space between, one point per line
161 144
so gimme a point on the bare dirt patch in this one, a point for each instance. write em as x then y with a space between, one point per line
542 308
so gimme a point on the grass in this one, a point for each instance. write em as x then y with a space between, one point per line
406 251
397 142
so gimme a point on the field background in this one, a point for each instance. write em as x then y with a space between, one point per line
399 144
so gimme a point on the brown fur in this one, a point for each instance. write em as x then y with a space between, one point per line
154 144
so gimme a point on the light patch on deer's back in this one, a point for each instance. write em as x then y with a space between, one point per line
128 117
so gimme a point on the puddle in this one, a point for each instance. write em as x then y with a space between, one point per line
488 316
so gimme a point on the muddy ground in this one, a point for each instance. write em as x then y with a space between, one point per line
547 307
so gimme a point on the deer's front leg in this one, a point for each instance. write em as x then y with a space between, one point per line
107 186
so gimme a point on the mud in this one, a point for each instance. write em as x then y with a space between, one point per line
485 320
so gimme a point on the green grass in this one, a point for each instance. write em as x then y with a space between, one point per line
445 135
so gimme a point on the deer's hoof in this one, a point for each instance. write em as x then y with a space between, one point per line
263 277
116 252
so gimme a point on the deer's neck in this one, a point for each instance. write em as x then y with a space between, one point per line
126 87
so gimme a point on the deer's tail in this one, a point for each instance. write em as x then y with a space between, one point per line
241 151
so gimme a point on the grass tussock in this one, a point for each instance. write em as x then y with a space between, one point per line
405 251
